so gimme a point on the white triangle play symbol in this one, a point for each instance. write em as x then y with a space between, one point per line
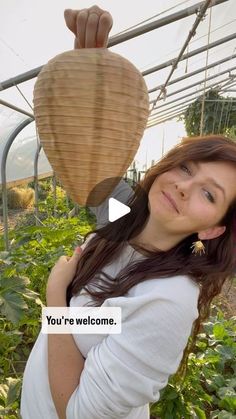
116 209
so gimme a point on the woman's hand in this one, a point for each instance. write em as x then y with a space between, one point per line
62 274
90 26
65 361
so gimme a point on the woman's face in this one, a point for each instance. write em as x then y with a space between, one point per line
200 203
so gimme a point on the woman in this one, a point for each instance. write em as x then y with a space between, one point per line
162 264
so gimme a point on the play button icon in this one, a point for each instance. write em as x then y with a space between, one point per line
116 209
118 201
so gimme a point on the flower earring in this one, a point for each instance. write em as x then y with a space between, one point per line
198 247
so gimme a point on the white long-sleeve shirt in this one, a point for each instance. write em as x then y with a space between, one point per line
124 372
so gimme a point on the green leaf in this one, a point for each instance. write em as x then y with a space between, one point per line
226 352
171 393
4 255
10 391
12 306
215 116
231 382
168 415
228 403
223 414
199 412
14 283
14 386
226 392
215 382
219 331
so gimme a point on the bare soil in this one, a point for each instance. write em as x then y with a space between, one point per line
13 217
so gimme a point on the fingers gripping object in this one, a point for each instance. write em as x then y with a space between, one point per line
78 250
91 108
90 26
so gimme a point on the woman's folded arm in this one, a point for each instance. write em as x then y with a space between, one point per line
128 370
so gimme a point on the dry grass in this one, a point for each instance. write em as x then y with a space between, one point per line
20 198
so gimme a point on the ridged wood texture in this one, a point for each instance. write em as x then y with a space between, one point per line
91 108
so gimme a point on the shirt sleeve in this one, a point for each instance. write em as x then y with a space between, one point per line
122 192
129 369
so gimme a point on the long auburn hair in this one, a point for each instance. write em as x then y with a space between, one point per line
209 270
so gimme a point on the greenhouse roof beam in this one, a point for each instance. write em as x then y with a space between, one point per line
157 115
214 85
115 40
192 33
198 83
171 116
193 73
171 109
229 83
189 101
160 22
15 108
190 54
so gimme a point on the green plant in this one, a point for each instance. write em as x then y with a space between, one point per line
24 271
219 115
210 384
9 395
